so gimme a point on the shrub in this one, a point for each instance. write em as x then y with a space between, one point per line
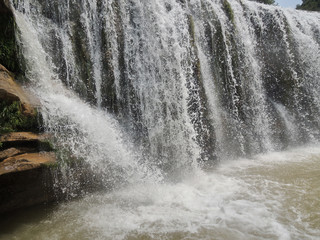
12 119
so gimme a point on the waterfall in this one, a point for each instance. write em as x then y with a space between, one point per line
145 88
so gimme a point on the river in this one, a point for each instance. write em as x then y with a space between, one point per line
268 196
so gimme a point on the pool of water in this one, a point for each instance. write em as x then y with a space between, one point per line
270 196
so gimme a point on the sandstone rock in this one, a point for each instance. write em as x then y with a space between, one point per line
25 179
25 188
26 161
10 91
22 137
9 153
14 151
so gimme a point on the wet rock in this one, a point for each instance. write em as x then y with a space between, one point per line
10 91
26 161
22 137
30 142
4 6
25 157
14 151
26 180
20 189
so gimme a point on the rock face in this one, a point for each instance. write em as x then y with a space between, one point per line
8 49
21 137
26 161
12 152
10 91
20 189
25 157
25 178
4 6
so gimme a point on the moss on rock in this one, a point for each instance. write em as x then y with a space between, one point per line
12 119
228 10
8 49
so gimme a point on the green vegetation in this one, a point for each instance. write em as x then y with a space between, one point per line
8 51
12 119
265 1
309 5
52 165
228 10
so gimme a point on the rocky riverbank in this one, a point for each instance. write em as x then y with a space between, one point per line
25 153
29 170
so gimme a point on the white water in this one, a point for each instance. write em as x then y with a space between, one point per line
84 132
272 196
168 116
181 98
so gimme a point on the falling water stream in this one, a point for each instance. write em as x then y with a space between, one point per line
201 117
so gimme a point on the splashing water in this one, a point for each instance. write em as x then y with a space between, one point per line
273 196
86 132
145 91
189 82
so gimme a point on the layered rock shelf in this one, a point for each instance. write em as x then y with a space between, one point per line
22 156
25 178
25 157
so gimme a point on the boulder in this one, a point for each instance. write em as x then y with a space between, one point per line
26 161
25 176
21 189
10 91
26 180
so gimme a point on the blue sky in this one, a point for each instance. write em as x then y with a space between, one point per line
288 3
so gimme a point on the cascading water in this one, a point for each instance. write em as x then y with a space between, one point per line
148 90
81 131
194 80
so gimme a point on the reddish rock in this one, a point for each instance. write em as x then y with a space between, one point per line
22 137
26 161
25 179
14 151
10 91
